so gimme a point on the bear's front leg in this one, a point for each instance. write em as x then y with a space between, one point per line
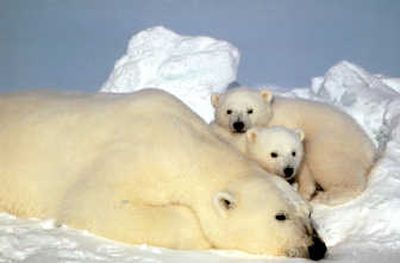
171 226
307 185
101 212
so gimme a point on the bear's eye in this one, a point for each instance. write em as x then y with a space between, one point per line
229 112
293 153
274 155
280 217
250 111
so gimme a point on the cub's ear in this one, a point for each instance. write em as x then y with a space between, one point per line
266 95
251 135
215 98
224 202
300 133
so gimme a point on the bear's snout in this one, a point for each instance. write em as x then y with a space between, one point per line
288 172
239 126
318 249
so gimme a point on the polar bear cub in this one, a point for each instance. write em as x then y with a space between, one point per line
278 150
338 153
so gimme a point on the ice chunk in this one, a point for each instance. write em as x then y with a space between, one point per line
189 67
359 93
394 83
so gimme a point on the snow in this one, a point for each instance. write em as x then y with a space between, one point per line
394 83
367 229
181 65
362 95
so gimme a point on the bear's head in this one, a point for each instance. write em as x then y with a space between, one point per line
278 150
239 109
254 215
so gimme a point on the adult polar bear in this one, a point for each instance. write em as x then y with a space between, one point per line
338 153
142 168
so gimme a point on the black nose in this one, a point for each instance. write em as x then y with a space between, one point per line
288 171
238 126
318 249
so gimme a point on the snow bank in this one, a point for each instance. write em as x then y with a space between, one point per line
362 95
181 65
367 229
373 218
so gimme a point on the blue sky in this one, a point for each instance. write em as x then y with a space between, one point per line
73 44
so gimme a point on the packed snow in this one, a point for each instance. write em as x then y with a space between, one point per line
181 65
367 229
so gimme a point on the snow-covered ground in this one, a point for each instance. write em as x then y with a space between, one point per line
367 229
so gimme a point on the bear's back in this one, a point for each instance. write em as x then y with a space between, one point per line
50 140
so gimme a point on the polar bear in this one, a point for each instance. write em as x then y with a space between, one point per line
338 153
278 150
143 168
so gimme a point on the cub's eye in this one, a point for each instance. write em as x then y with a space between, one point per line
250 111
274 155
229 112
293 154
280 217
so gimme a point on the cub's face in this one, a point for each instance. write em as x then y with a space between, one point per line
254 216
278 150
240 109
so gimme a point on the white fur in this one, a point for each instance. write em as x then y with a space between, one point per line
276 149
140 168
338 153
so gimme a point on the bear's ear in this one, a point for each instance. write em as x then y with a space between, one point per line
300 133
224 202
251 135
215 97
266 95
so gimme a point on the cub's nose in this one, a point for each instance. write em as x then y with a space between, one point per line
238 126
318 249
288 172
